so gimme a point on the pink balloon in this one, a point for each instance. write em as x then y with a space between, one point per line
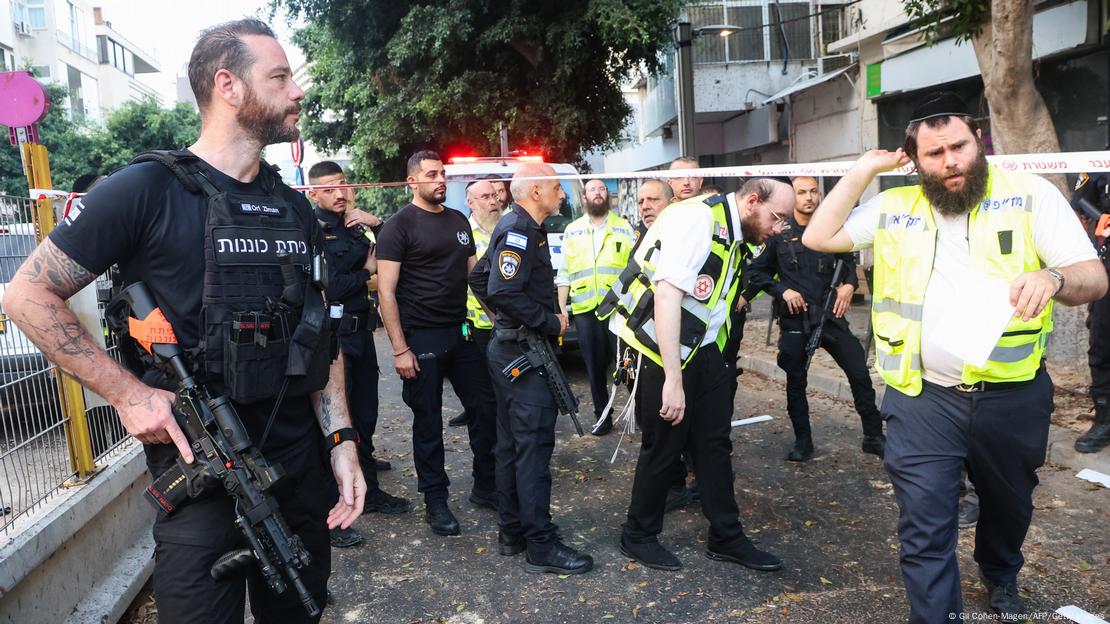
23 101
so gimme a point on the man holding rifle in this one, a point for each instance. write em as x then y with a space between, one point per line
521 292
804 285
205 229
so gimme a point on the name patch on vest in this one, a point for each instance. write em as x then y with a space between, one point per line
905 221
240 245
275 211
1005 203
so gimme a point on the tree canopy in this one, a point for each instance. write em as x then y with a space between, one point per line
391 77
78 147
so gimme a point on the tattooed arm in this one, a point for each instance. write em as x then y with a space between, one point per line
35 301
330 405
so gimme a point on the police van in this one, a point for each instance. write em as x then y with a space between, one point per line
461 170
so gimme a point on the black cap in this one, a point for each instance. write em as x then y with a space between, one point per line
784 179
939 104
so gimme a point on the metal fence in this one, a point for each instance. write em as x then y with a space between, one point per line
37 450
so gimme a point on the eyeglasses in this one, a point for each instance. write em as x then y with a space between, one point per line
780 222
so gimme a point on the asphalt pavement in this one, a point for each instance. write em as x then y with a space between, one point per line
832 520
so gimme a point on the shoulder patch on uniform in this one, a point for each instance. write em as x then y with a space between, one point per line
520 241
1082 181
508 262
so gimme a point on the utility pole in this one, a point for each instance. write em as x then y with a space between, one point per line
684 70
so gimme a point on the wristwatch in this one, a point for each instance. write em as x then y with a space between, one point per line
1059 277
339 436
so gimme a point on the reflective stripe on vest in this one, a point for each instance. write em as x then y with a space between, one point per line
632 297
590 277
1000 241
475 313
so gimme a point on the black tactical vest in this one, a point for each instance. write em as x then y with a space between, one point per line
263 317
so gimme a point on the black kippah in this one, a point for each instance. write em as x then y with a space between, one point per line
784 179
939 104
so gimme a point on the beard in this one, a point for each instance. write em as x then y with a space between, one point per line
954 203
431 194
750 231
599 208
265 124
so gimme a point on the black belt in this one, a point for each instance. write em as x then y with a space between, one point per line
351 323
994 386
508 334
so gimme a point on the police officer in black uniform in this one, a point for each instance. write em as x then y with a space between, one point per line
1093 191
521 292
207 231
351 266
800 291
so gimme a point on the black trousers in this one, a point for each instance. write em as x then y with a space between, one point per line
599 351
1098 352
704 434
1001 437
737 320
360 366
525 441
442 353
184 589
849 356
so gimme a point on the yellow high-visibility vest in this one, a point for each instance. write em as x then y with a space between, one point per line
475 313
1000 239
632 297
591 277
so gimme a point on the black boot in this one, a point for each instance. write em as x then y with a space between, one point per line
560 559
802 451
1098 436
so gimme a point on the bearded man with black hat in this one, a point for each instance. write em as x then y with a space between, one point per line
966 217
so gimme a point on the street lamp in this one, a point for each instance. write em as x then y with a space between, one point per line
684 67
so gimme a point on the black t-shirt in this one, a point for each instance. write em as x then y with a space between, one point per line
433 249
144 220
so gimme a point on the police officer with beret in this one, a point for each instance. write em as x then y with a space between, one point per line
521 292
351 267
1094 191
800 291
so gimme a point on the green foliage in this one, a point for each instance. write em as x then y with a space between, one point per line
78 147
391 77
968 17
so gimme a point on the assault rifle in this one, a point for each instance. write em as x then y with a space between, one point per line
815 337
223 456
538 355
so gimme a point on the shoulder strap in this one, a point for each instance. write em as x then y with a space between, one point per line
185 167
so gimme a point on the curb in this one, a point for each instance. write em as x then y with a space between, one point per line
1061 441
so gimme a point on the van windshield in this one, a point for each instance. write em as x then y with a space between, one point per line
570 210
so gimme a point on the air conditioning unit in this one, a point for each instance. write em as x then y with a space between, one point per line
22 28
827 64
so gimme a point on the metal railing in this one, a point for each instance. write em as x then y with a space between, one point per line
37 451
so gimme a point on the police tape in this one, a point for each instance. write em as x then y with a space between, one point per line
1063 162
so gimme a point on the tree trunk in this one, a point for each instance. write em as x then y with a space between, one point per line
1020 124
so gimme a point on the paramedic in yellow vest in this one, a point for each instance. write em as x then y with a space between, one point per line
674 312
485 211
596 247
965 221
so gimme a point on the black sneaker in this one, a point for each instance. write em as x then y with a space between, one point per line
483 498
561 559
380 502
874 444
651 554
459 420
510 545
1006 602
438 516
603 427
345 538
745 553
968 515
